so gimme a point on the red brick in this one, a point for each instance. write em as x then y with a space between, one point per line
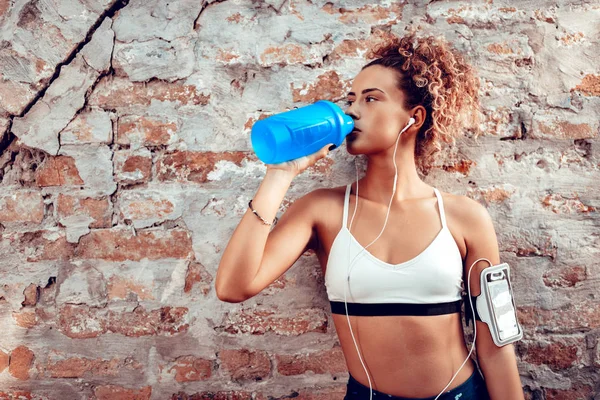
22 206
3 361
80 322
80 367
93 126
565 277
120 245
41 245
348 48
98 209
145 131
500 48
15 95
190 368
557 355
139 322
578 392
311 393
527 245
26 318
371 14
461 166
21 360
328 86
572 38
564 130
19 395
497 120
4 5
196 273
589 86
229 395
281 283
226 56
237 18
490 196
332 393
321 362
579 316
566 205
83 322
287 54
58 171
261 320
121 288
245 365
115 92
190 166
132 167
141 206
356 47
112 392
32 295
251 121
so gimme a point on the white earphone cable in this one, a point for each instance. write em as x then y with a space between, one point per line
411 121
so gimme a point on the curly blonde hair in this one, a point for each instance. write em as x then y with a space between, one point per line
436 76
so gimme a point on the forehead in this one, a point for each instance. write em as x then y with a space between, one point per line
379 77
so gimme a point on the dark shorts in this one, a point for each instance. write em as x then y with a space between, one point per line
472 389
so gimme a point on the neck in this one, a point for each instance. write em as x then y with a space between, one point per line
377 184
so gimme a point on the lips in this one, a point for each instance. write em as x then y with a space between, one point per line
354 134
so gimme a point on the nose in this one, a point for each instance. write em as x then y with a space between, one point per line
352 112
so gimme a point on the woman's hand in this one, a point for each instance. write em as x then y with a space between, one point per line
297 166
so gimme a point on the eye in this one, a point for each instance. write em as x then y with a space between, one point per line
349 102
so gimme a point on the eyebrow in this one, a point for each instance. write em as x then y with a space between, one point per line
366 91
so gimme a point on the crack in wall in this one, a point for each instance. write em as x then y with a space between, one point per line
10 137
203 7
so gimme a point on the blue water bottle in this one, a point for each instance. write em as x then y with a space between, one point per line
300 132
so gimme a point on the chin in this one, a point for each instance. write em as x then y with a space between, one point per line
352 148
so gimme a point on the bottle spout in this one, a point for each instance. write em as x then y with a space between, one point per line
347 124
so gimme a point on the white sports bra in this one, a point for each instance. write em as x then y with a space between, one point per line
429 284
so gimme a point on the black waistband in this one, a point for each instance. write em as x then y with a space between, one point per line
382 309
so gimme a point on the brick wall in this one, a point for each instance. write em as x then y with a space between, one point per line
126 164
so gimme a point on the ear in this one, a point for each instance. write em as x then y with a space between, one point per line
419 114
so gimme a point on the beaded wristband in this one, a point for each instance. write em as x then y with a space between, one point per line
261 218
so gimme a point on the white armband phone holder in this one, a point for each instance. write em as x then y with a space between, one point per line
495 305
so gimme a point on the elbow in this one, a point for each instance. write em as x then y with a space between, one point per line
229 297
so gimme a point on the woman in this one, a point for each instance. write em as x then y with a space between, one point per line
396 306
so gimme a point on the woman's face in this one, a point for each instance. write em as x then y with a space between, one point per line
376 105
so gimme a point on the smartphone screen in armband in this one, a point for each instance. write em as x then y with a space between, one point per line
503 308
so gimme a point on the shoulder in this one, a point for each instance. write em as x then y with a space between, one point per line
471 217
320 199
327 194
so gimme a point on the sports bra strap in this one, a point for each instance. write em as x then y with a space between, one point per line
346 203
440 206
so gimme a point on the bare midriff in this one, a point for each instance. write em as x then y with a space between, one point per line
406 356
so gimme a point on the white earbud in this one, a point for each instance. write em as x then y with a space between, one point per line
408 124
